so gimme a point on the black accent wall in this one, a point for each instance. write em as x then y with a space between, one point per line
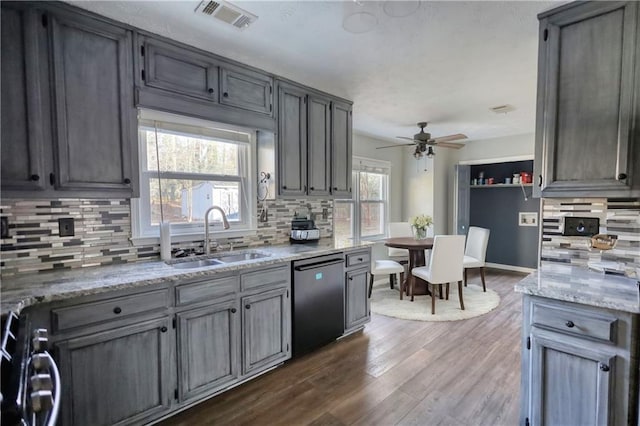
497 208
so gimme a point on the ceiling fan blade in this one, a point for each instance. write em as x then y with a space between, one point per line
396 145
402 137
449 138
449 145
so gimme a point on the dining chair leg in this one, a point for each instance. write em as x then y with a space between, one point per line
460 295
413 279
391 280
433 300
440 291
370 284
465 277
484 286
447 292
402 285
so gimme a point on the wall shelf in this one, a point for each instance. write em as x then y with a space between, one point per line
501 185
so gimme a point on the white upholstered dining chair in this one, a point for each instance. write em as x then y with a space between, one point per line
387 267
445 266
476 252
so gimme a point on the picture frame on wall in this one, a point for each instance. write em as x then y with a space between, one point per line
528 218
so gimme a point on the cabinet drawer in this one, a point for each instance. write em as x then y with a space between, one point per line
265 277
575 322
359 258
205 290
112 309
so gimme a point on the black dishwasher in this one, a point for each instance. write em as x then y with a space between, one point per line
318 302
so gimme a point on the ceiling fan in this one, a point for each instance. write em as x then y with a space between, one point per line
424 143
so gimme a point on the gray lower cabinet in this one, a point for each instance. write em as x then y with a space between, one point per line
357 310
587 126
208 346
579 365
266 329
118 376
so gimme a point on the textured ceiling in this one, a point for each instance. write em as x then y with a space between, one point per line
447 63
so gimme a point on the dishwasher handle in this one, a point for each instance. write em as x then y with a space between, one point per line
318 264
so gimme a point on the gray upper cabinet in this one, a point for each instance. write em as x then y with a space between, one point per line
292 140
93 102
179 70
120 375
314 143
68 121
266 329
208 342
23 138
341 143
319 145
246 89
588 125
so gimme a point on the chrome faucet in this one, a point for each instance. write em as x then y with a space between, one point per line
225 224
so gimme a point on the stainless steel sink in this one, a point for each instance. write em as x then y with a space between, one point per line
240 257
221 259
196 263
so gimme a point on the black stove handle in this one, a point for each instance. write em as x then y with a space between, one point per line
318 264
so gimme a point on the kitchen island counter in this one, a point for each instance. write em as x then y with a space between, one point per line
583 286
21 291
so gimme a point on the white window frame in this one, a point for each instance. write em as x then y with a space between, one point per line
364 165
145 233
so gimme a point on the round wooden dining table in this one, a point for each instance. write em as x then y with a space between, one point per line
416 258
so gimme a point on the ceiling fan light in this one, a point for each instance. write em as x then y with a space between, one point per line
430 152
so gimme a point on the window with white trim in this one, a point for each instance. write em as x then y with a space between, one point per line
365 215
186 166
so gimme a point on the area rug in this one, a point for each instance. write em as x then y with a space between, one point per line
385 301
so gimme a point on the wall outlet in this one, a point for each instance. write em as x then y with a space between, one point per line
66 227
4 227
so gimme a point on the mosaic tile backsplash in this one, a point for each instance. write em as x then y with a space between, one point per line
103 231
619 217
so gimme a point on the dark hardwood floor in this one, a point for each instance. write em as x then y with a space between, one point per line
394 372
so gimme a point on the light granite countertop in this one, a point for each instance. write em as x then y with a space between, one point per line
21 291
583 286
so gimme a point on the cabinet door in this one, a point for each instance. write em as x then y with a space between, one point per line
569 384
22 132
341 141
179 70
586 85
118 375
246 89
94 113
266 329
319 146
463 176
292 140
357 310
208 341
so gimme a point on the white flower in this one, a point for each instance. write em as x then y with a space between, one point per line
422 221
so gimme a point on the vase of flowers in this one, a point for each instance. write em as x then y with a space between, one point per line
419 226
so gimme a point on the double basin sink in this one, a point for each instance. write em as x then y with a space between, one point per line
221 259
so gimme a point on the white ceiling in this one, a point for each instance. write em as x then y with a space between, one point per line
447 64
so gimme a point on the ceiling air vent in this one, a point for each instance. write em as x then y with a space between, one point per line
226 12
